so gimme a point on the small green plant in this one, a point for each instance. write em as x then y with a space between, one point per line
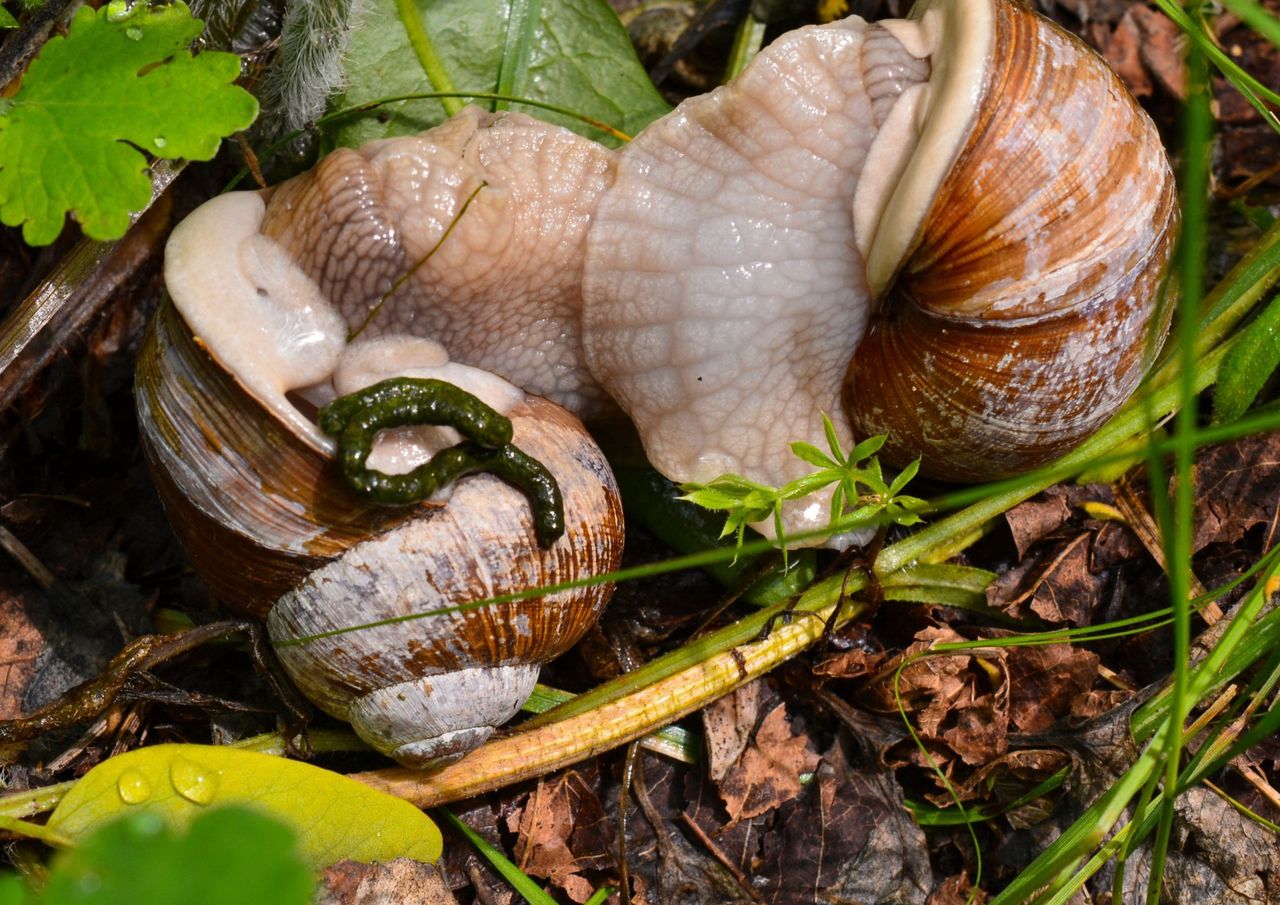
861 495
121 82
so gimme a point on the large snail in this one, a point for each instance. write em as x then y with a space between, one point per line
951 229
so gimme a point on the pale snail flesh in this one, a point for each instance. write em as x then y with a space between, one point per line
251 488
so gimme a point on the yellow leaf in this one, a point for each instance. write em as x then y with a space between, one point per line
334 817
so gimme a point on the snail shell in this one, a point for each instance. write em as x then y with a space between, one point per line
957 225
253 493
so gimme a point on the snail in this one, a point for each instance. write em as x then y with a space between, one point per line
951 229
226 381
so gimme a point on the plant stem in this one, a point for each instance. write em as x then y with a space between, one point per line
426 52
527 753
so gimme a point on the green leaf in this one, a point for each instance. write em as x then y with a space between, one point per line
334 817
6 21
903 477
578 57
867 447
12 890
70 139
1248 365
228 856
814 456
833 441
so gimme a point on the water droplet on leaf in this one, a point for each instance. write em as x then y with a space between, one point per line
119 10
192 781
133 33
160 141
133 786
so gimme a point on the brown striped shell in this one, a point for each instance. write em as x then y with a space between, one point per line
275 533
1026 312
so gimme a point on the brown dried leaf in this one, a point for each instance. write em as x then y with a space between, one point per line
671 869
981 730
768 773
1057 586
930 687
848 838
562 832
1146 50
1037 517
957 890
1044 682
1237 486
21 644
403 880
728 724
1217 855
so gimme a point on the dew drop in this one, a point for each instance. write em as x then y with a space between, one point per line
133 786
133 33
192 781
160 141
119 10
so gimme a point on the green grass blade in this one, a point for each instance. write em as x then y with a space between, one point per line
513 70
531 892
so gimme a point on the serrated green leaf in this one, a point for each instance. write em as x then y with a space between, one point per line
579 58
69 142
334 817
1247 365
228 856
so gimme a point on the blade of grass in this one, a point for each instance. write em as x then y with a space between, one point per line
531 892
513 70
1178 521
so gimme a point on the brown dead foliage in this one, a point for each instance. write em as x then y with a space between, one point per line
562 832
403 881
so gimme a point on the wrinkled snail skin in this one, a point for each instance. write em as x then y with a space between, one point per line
952 230
253 493
503 293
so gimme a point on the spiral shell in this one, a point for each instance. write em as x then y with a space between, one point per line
1027 311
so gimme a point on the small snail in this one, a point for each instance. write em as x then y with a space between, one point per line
951 229
248 480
